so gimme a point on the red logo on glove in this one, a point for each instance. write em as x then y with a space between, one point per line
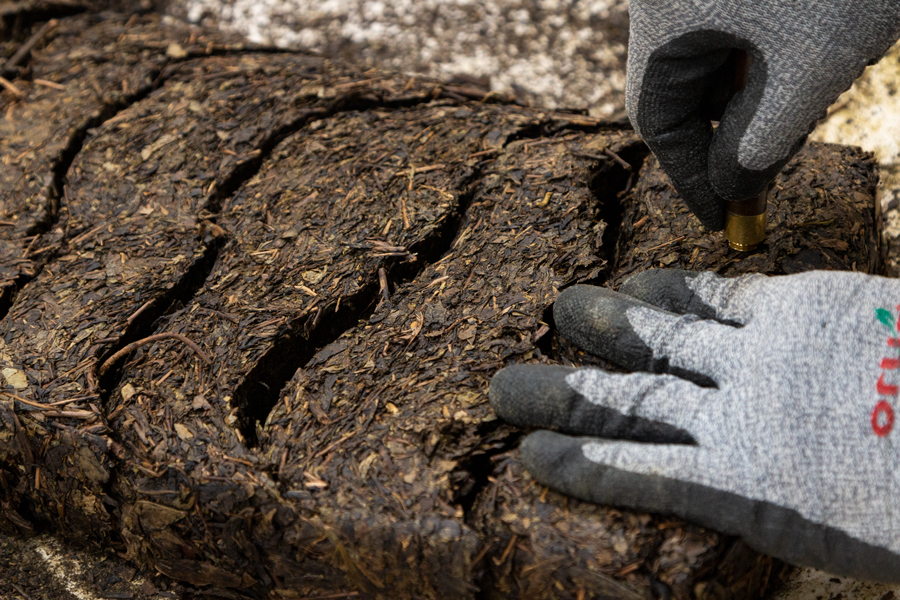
883 414
882 419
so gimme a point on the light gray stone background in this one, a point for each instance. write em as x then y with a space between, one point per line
552 53
555 53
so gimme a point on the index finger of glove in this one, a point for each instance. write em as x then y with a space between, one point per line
641 337
669 90
589 401
788 90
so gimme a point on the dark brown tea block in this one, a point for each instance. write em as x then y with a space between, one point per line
252 302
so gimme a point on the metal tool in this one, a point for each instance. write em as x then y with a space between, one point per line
745 223
745 220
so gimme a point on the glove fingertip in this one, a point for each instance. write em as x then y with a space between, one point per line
594 319
531 395
663 288
708 208
578 311
733 182
558 461
668 289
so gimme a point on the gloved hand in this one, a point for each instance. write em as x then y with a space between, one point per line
681 73
765 409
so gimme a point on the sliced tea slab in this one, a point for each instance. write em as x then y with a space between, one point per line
136 239
83 71
343 205
261 296
386 436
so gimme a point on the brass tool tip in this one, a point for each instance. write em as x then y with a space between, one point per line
745 223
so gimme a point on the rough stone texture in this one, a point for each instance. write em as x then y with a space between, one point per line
48 568
554 53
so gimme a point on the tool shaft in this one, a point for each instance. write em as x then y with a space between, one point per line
745 220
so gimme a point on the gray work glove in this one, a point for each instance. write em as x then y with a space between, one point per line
765 409
681 73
